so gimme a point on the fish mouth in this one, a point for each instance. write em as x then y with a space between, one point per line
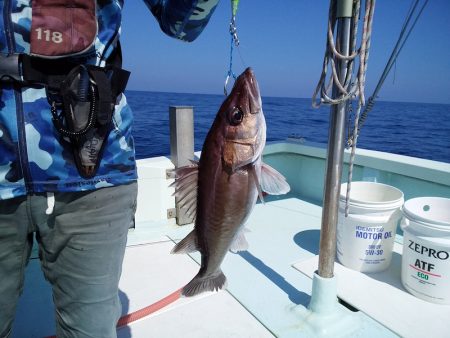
250 80
249 74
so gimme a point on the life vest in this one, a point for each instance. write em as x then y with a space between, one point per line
82 97
41 144
61 28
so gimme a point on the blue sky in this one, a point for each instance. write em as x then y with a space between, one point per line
284 42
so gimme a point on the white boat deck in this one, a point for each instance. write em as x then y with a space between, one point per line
269 286
266 294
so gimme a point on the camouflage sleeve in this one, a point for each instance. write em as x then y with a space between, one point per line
184 20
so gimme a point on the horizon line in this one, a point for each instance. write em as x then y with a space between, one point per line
274 96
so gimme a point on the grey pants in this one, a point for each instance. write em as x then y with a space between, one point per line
81 248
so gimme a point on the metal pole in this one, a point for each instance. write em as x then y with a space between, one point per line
181 120
335 154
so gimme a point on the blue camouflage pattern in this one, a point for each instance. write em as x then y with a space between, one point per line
34 157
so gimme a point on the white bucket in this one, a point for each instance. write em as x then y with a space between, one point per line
365 238
426 248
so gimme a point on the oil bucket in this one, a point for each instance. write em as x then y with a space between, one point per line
426 248
365 238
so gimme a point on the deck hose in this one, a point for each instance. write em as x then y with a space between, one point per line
146 311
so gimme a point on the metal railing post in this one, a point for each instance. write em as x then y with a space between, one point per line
324 317
335 154
181 121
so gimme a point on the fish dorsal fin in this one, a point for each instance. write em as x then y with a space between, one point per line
186 182
272 182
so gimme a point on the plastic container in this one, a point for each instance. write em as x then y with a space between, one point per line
426 248
365 238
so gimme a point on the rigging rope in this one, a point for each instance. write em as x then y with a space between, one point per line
361 118
352 86
391 62
365 46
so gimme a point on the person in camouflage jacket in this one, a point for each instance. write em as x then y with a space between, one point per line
37 167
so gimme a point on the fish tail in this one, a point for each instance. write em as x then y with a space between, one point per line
203 284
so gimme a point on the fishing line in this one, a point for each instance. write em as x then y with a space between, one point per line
395 72
244 64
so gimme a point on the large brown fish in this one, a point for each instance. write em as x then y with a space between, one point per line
222 188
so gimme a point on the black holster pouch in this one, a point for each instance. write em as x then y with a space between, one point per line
82 99
82 111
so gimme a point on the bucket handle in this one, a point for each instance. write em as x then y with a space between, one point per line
404 223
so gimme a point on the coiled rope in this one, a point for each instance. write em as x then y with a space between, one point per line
352 86
365 46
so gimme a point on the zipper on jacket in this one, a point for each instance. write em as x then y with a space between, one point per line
23 156
23 152
7 10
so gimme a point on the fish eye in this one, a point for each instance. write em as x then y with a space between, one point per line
236 116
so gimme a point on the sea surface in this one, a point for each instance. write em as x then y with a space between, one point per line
413 129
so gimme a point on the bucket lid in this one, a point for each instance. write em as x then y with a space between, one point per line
372 195
433 211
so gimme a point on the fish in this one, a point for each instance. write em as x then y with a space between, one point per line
220 190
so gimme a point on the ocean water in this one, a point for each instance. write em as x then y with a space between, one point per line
414 129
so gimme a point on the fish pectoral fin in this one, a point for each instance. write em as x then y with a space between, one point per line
187 245
272 182
239 242
204 284
254 175
186 182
